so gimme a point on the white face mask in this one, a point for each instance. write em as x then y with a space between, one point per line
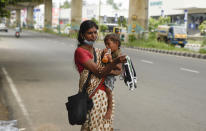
89 42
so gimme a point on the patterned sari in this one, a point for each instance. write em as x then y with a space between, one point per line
95 118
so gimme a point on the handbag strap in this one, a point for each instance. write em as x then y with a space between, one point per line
85 86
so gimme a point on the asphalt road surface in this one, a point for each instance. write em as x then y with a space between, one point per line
38 74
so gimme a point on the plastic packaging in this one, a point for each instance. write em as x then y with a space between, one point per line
8 125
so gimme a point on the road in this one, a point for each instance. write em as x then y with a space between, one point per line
38 74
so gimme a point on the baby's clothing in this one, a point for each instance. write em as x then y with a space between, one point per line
109 80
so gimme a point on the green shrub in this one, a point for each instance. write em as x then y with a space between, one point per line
96 21
151 43
132 38
152 36
73 35
48 30
204 42
103 28
202 51
154 23
202 27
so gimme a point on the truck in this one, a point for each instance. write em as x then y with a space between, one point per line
172 34
121 32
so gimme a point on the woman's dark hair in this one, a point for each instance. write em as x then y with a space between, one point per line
86 25
112 37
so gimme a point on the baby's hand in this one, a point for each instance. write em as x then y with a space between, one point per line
120 59
109 57
105 51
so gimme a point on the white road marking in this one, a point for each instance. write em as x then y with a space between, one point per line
17 96
146 61
22 129
189 70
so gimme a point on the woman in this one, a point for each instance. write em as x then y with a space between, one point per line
84 60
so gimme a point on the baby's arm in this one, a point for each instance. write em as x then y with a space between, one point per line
117 71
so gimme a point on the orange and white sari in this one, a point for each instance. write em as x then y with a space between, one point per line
95 118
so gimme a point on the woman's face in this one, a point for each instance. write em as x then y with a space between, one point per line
91 34
112 45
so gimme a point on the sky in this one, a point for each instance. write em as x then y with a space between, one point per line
125 3
167 3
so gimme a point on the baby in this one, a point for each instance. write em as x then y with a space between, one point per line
112 51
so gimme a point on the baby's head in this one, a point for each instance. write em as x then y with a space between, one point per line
112 41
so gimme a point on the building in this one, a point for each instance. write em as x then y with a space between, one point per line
107 13
196 10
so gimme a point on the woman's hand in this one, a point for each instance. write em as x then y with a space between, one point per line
120 59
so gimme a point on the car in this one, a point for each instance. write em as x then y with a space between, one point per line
3 27
67 29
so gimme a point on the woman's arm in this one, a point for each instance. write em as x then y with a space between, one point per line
102 72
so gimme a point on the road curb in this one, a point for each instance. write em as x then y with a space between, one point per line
178 53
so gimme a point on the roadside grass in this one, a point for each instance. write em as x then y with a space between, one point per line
195 42
201 42
73 35
204 42
202 51
152 43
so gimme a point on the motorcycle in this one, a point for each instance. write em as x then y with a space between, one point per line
17 33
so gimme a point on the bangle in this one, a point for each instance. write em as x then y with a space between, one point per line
100 70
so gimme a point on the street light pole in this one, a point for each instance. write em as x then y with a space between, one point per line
99 18
59 27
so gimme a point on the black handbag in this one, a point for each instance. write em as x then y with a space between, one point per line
78 105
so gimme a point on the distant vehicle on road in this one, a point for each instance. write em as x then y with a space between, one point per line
3 27
67 29
111 26
38 27
175 35
17 32
121 31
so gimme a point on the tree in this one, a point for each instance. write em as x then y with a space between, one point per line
122 21
114 5
103 28
202 28
66 5
3 11
154 23
164 20
96 21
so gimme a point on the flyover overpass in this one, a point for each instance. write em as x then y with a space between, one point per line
30 4
138 13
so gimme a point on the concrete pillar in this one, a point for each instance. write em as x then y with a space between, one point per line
76 14
18 17
47 14
138 15
29 18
